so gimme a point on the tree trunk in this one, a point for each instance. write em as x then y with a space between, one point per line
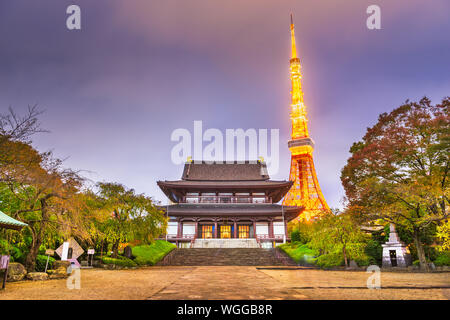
30 260
420 250
115 249
344 252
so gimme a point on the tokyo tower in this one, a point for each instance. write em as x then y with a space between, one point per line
306 190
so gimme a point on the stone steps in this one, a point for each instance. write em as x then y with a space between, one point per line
225 243
226 257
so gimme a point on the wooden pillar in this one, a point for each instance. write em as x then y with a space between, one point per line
235 230
180 229
254 229
215 229
271 235
285 229
196 229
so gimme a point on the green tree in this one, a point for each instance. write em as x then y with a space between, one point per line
338 233
132 216
399 171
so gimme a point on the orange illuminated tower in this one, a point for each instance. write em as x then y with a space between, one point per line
306 190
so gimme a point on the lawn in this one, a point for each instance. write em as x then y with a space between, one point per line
299 252
151 254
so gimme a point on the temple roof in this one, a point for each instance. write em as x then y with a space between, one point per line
243 171
175 190
244 177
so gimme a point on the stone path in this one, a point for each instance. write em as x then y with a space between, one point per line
232 282
227 282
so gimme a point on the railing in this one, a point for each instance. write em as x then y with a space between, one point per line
226 199
266 236
193 241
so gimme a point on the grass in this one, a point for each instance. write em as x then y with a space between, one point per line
299 252
151 254
120 261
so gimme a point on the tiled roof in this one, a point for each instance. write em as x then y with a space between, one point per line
9 223
242 171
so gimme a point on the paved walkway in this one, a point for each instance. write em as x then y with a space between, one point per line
233 282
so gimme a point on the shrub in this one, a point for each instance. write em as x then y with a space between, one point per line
9 249
41 261
330 260
443 259
300 253
120 261
295 236
151 254
374 251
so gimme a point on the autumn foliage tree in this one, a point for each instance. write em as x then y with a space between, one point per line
35 188
399 171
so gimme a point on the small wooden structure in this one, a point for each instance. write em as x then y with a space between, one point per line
6 222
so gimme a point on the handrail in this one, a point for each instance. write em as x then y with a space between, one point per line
193 241
226 199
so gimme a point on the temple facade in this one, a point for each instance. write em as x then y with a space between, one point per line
227 205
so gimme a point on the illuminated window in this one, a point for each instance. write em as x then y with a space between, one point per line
225 232
207 232
244 232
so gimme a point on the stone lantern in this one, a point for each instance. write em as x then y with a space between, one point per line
395 253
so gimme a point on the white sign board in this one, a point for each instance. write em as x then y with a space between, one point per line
65 251
91 251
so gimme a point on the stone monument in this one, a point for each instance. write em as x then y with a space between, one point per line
69 251
395 253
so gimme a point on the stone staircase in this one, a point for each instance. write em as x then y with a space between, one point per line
227 257
225 243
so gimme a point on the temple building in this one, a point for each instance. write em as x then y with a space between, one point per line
227 205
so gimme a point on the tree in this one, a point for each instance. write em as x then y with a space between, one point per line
337 232
443 233
42 191
131 216
19 128
399 171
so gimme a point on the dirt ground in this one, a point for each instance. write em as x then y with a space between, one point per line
232 282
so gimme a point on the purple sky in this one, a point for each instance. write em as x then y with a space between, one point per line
114 91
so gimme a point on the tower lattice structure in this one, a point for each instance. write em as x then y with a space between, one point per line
306 190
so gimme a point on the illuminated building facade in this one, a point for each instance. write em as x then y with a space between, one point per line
305 191
227 205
